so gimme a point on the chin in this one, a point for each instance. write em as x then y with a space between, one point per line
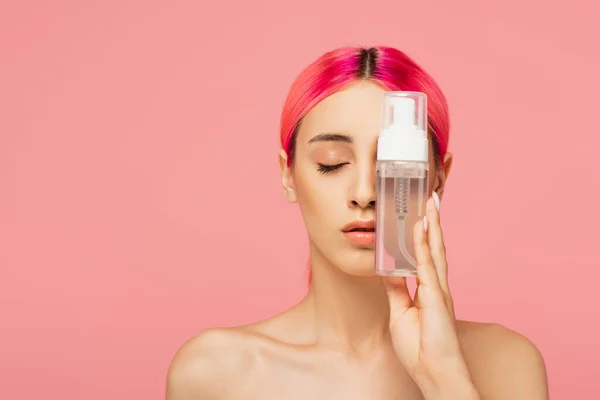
361 272
362 263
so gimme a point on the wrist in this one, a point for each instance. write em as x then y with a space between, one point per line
455 383
463 390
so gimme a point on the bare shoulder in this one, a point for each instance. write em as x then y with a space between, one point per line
504 364
208 365
226 363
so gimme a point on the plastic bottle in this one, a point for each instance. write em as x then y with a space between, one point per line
402 181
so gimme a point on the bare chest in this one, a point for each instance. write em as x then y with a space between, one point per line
328 381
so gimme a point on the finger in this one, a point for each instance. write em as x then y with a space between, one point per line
416 296
437 246
426 273
398 296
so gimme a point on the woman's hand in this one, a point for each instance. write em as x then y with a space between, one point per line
424 330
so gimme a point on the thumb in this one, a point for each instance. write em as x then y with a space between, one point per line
398 296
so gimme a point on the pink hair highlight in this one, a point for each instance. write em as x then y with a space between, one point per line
334 70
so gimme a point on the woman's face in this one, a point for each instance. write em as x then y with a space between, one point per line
333 176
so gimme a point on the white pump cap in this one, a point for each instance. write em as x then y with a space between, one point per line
403 135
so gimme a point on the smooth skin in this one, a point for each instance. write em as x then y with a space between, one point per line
356 335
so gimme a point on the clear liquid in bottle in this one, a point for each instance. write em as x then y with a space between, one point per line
402 188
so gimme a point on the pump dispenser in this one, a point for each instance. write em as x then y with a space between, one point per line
402 181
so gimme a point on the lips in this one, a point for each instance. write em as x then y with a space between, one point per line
360 226
361 233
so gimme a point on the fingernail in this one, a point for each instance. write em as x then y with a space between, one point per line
436 200
425 223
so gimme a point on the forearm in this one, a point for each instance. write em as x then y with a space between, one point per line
455 390
451 384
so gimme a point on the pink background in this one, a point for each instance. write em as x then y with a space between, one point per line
119 120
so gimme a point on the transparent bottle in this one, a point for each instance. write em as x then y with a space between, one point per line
402 182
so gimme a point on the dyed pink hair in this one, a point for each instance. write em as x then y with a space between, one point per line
388 67
335 70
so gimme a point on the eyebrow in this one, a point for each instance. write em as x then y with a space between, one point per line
330 137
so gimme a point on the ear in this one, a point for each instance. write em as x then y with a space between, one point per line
442 175
287 179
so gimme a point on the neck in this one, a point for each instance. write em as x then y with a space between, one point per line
349 311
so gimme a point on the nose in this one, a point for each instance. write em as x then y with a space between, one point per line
363 189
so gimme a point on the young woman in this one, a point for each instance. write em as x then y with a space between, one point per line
356 335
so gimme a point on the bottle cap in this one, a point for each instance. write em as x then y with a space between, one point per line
403 135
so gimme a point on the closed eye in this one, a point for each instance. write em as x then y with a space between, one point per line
324 168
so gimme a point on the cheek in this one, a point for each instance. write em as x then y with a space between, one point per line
320 197
432 175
